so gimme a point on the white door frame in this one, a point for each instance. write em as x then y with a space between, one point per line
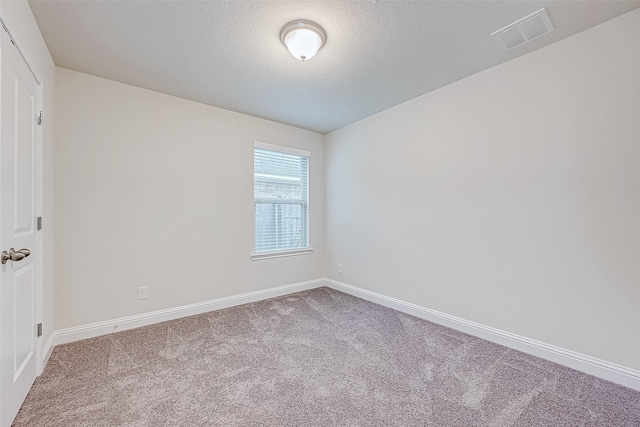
38 204
39 162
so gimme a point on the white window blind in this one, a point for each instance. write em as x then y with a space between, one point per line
280 195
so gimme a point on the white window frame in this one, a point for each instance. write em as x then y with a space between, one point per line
288 252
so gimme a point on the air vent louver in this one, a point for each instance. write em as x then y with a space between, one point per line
523 30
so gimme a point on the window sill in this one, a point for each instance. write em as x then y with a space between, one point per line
280 254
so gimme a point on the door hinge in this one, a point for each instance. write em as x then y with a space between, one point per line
39 223
39 117
39 329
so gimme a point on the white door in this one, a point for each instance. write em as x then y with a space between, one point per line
19 93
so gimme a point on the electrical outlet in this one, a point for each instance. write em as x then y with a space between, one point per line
340 268
143 293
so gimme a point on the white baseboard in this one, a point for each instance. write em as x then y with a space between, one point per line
92 330
609 371
580 362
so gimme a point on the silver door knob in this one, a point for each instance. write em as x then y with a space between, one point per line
14 255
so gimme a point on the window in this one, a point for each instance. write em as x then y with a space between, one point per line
281 198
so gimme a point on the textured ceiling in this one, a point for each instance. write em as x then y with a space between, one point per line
228 53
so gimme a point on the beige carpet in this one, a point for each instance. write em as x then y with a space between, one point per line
316 358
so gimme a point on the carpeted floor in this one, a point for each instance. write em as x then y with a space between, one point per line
315 358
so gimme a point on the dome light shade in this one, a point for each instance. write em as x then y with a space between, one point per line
303 38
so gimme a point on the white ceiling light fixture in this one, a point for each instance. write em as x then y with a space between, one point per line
303 38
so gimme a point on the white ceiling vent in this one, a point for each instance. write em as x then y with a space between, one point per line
528 28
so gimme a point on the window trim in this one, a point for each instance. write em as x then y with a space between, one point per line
255 256
281 149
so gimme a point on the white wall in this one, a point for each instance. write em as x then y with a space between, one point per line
22 25
510 198
157 191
